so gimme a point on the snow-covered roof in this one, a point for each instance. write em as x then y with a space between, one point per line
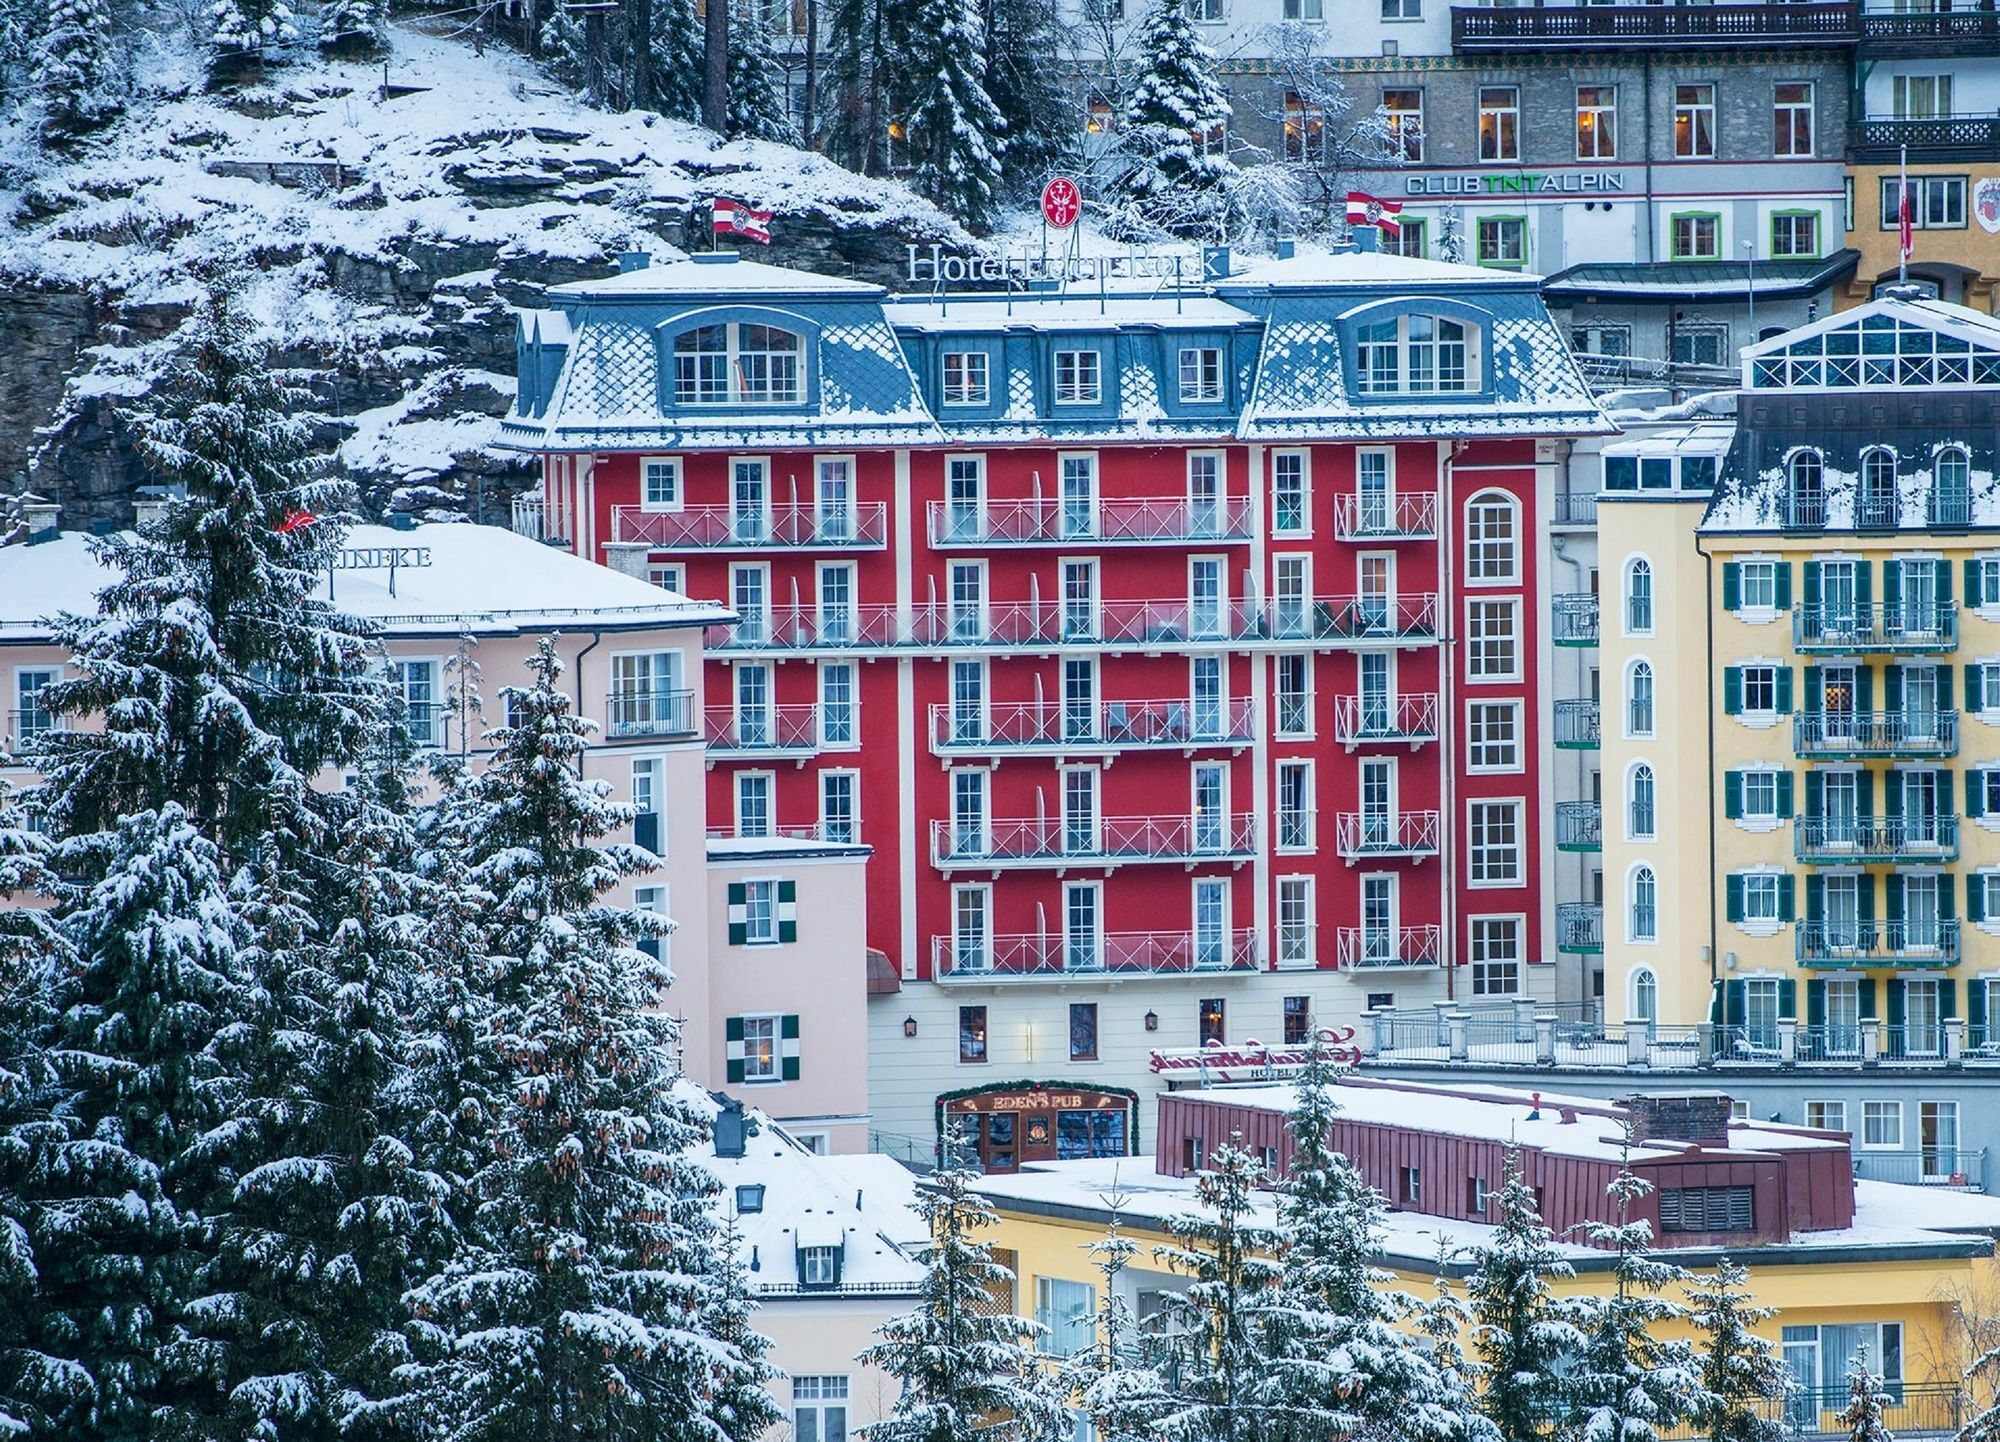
1587 1127
864 1203
1668 280
1309 266
1644 438
1963 322
734 850
713 274
468 578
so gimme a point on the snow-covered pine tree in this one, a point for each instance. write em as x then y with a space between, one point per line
353 29
677 59
1341 1362
1216 1362
114 1184
1110 1379
1522 1334
1023 40
868 75
1741 1372
966 1372
741 1404
1442 1321
243 35
956 135
224 683
1867 1403
1451 235
587 1302
76 74
757 109
1630 1383
1175 106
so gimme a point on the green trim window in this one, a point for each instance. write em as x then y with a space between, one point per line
761 1048
1411 240
1795 235
763 912
1695 235
1501 240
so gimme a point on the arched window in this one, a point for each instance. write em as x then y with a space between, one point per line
1640 820
1951 490
1808 479
1645 996
1639 699
1645 919
739 364
1492 539
1417 355
1878 491
1639 598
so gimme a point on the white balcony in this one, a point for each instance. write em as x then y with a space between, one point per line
1113 956
1405 516
1122 521
725 528
1378 720
1389 948
1056 728
1366 834
791 730
1107 841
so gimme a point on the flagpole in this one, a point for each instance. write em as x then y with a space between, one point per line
1904 220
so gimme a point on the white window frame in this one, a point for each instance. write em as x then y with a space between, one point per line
1205 392
853 777
966 393
1474 743
678 497
1477 807
1481 606
1480 986
853 741
1871 1109
777 1071
1480 550
1302 455
743 782
1308 828
1078 392
1303 889
434 723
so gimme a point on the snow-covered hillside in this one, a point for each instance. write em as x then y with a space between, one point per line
383 241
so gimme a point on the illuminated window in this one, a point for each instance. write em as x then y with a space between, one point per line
1596 122
1694 122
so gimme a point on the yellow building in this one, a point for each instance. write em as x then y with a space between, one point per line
1954 256
1802 747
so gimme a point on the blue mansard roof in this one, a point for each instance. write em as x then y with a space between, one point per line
1268 354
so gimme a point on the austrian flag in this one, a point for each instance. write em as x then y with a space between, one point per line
1364 209
733 217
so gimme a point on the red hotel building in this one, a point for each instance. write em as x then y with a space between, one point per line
1178 654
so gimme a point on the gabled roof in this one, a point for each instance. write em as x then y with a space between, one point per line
712 275
1971 326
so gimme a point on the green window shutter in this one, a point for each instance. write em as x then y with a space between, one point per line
1783 585
1865 987
1892 582
788 893
1787 893
735 1069
1975 686
788 911
1788 998
1892 796
1732 586
1945 703
739 929
1732 794
1811 579
1975 794
788 1068
739 893
788 1027
1863 584
1815 897
1815 692
1734 889
788 1056
1948 896
1892 689
1784 690
1866 897
1864 689
1975 1012
1715 1003
788 930
739 933
1895 1001
1975 912
1732 690
1972 596
732 1029
1942 569
1733 1008
1894 885
1815 1002
1785 794
1815 794
1864 794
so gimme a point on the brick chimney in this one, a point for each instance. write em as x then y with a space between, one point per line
1680 1117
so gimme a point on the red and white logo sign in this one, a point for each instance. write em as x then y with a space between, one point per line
1253 1060
1986 204
1062 202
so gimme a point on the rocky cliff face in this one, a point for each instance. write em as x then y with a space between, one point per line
382 238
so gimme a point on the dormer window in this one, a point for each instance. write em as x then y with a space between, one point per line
739 364
819 1266
1416 355
1201 373
1878 492
1808 479
1079 379
965 378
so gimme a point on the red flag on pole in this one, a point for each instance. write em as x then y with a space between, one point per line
1905 221
295 521
733 217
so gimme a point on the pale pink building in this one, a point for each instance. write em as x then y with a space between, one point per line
768 953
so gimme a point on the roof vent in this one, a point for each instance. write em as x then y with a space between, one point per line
402 523
631 260
1904 290
1287 249
714 257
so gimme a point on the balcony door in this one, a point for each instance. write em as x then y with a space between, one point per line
1839 598
1375 689
1211 924
1921 804
1079 497
971 930
965 498
1923 911
1211 809
749 500
1378 804
835 499
1378 920
1937 1137
1204 494
1843 1016
1838 701
1371 485
1083 927
1842 901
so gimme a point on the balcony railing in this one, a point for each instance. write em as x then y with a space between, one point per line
1359 720
1959 1169
1877 943
1361 834
1110 841
1116 625
790 730
1858 735
1601 27
860 527
529 518
1406 516
1962 31
27 730
1112 955
1578 725
1875 840
1914 630
649 713
1573 619
1057 727
1580 928
1575 508
1943 137
1579 826
1147 521
1369 948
